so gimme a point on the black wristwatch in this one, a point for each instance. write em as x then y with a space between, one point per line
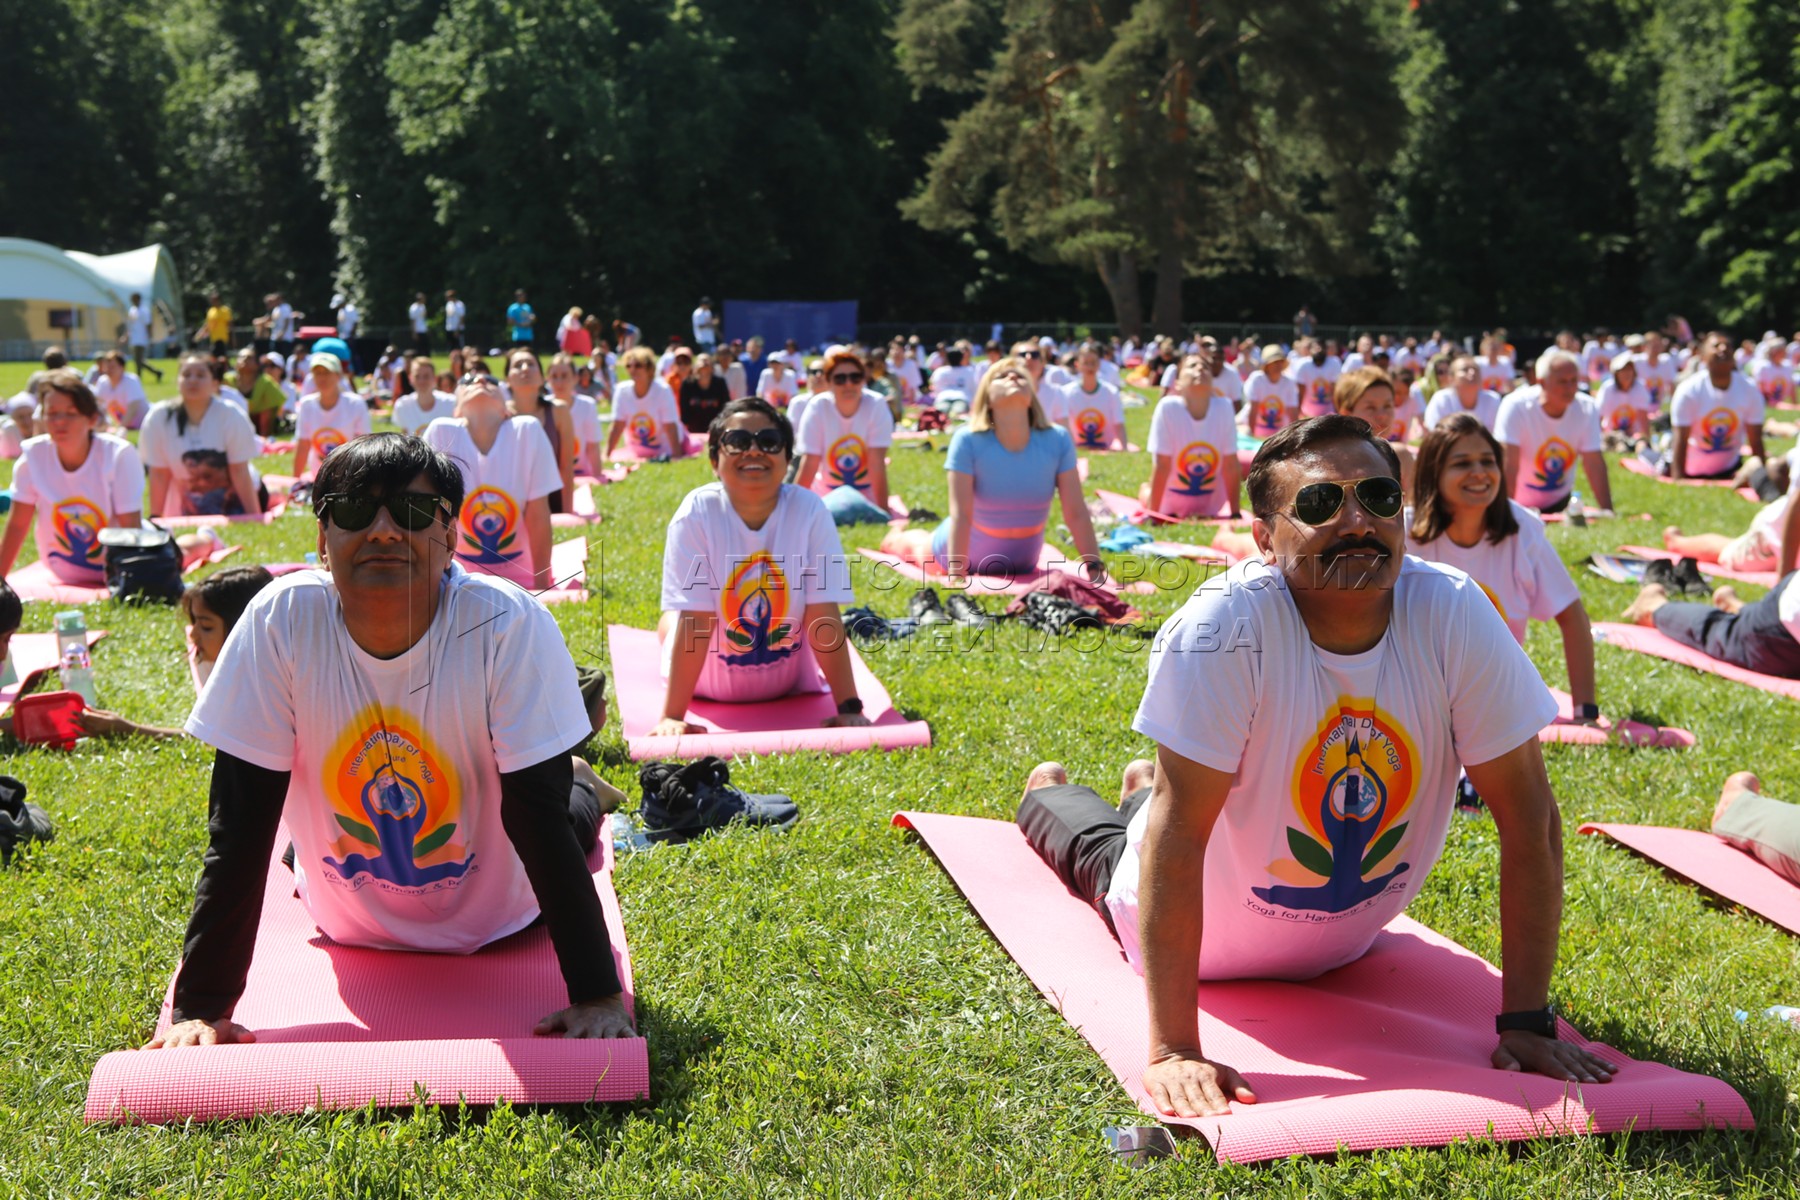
1587 712
1541 1021
851 707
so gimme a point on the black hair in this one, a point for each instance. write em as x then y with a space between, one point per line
953 357
227 593
749 404
384 463
1304 437
12 612
1431 516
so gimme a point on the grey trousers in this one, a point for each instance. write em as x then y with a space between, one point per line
1768 829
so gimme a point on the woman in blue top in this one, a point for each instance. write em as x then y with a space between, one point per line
1005 467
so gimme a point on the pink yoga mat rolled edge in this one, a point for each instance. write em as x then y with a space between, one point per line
1713 865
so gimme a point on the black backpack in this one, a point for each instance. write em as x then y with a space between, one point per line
142 564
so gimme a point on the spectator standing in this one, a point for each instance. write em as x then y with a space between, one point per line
137 335
520 319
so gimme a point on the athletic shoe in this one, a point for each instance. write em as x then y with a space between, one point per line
966 612
19 821
683 802
1661 572
926 608
1054 614
922 515
1468 800
1689 579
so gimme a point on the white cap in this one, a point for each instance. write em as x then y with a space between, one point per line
1621 361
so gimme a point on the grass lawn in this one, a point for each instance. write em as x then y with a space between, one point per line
825 1016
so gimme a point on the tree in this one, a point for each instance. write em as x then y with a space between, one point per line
1164 135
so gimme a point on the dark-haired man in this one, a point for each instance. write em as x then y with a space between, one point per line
1311 711
413 725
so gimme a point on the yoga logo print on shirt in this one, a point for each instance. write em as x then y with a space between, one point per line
1092 424
398 805
77 522
327 440
754 607
1195 468
1321 396
1555 458
643 431
848 461
1265 417
1719 430
490 522
1351 788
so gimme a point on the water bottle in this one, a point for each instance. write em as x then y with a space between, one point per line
1577 511
1784 1012
312 558
73 663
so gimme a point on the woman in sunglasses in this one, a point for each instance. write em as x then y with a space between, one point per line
845 433
1193 446
527 398
1004 468
810 384
509 473
753 577
1463 518
644 412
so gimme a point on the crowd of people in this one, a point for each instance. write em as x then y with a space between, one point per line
1396 493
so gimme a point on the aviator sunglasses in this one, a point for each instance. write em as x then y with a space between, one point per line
411 511
1380 496
737 441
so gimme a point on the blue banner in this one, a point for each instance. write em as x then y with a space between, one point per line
813 324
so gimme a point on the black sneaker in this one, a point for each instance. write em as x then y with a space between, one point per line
966 612
19 821
1661 571
1054 614
922 514
682 802
1689 579
926 608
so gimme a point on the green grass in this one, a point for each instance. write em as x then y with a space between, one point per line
825 1015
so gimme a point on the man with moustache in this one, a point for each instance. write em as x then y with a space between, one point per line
1312 710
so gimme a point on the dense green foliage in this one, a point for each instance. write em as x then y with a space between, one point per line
1532 162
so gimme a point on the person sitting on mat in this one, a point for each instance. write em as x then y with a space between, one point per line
1714 411
1193 446
1271 398
1759 825
329 417
1004 469
1096 414
419 722
645 412
1760 636
1463 519
1369 393
1546 430
1284 830
1758 548
1465 394
753 580
845 432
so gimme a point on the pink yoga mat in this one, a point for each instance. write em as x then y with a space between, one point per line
1764 578
782 726
1120 505
1049 559
339 1028
36 581
1389 1051
1645 640
277 506
1565 729
568 573
585 513
32 655
1638 466
1710 863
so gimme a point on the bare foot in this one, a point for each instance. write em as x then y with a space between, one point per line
1643 609
1725 599
1046 774
1140 773
1735 783
1670 533
609 796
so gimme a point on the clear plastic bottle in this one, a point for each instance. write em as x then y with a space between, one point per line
1577 510
73 663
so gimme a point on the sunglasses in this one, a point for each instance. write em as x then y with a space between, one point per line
1032 354
848 377
737 441
1380 496
480 377
412 511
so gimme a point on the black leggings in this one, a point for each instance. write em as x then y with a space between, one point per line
1079 835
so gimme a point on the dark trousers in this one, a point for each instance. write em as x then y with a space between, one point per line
1558 505
1752 638
454 337
1079 835
422 343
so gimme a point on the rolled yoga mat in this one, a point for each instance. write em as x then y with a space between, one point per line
338 1027
1389 1051
791 723
1711 863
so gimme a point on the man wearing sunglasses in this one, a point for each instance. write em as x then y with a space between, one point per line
1312 710
412 725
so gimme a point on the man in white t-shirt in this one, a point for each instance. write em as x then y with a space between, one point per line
1311 717
349 319
411 725
120 394
1465 394
706 326
454 312
1715 410
137 335
1656 370
415 315
1546 430
1315 377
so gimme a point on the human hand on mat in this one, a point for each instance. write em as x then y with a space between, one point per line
222 1032
1188 1085
675 727
606 1018
1520 1050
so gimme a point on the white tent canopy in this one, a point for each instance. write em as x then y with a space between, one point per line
37 280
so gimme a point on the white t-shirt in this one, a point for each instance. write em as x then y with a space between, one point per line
1497 374
1407 406
281 322
845 446
644 418
1522 575
393 800
1446 403
584 416
347 321
1776 383
328 428
1345 765
1050 398
1092 416
1620 407
1197 450
1550 448
415 312
491 536
1316 385
124 402
222 428
412 417
453 315
963 379
704 333
1716 421
1268 402
74 506
779 392
1658 378
137 326
758 582
1229 384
